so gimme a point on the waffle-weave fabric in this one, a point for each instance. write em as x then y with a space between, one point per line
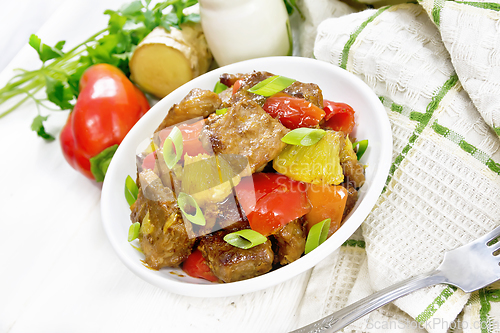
435 65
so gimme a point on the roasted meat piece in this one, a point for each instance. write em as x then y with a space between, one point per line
308 91
247 80
291 242
219 215
139 208
225 98
352 197
251 79
245 129
163 237
354 173
198 103
229 79
230 263
150 188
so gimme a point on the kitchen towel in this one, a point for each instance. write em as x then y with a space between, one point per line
435 66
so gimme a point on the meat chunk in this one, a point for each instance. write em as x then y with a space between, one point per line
152 187
308 91
198 103
163 237
251 79
230 263
291 242
352 197
229 79
245 129
225 97
219 215
139 208
354 173
248 80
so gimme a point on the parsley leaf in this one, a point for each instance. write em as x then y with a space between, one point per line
37 126
44 51
60 72
59 93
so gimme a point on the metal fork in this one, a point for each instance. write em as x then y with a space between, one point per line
470 267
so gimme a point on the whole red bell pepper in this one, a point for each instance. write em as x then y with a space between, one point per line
106 109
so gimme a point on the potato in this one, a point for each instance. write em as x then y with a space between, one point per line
166 60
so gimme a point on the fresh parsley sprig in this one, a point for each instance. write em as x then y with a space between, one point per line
61 71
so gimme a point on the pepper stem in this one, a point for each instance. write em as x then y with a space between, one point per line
99 164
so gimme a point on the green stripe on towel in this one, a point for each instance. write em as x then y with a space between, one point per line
484 5
484 311
486 296
439 4
355 243
467 147
436 11
435 305
423 120
355 34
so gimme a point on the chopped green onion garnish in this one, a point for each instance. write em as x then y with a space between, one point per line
219 87
172 147
133 231
362 145
131 190
245 239
187 204
220 111
303 136
317 235
271 85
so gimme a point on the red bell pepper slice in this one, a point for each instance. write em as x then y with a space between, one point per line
272 200
293 112
196 266
190 137
328 202
339 116
236 86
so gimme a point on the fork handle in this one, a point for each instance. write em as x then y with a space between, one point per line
349 314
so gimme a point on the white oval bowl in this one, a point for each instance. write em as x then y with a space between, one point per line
337 85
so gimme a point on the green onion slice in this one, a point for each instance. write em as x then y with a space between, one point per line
131 190
303 136
133 231
245 239
271 85
187 203
219 87
317 235
172 147
362 145
220 111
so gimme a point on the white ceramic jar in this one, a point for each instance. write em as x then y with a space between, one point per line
244 29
